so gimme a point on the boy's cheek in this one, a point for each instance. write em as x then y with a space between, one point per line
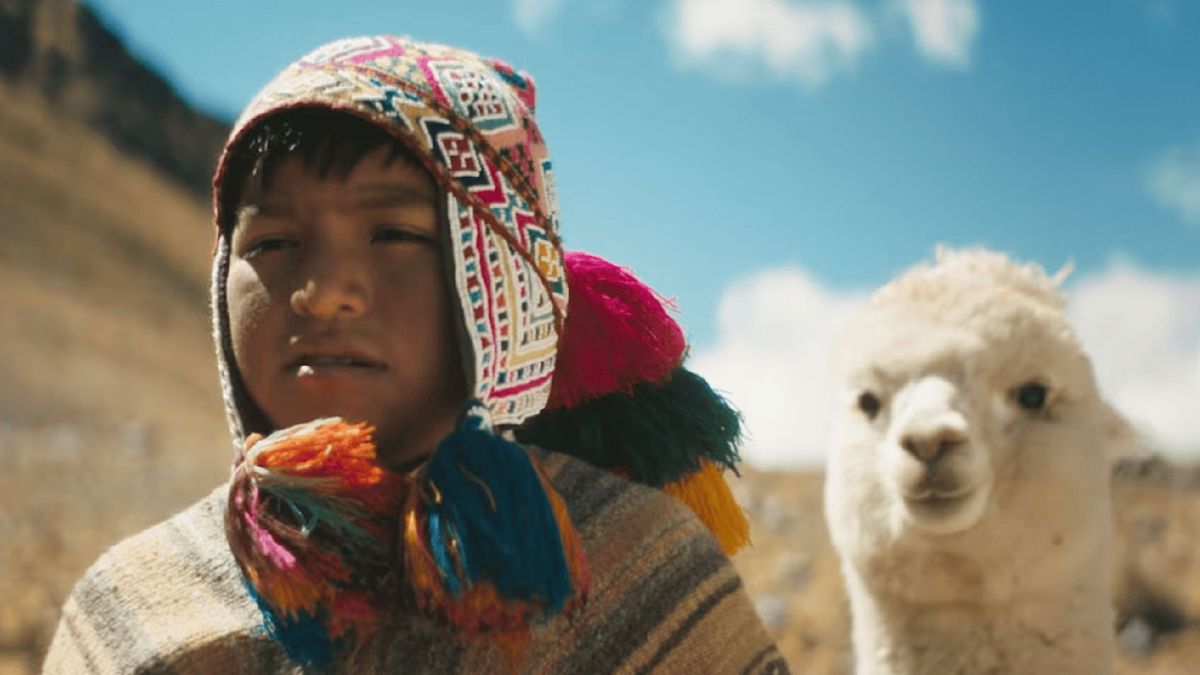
249 303
245 290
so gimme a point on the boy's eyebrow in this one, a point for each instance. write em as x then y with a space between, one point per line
246 213
390 194
262 208
368 196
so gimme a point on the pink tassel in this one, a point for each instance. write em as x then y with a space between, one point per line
617 334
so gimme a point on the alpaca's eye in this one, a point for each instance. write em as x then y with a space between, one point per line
869 404
1031 396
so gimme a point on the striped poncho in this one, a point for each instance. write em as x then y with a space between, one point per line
664 599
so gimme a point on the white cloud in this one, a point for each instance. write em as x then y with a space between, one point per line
1142 331
532 15
814 40
1174 181
809 41
775 329
774 332
943 29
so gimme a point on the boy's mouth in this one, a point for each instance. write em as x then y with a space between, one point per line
334 365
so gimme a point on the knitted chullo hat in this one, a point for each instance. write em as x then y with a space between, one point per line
567 352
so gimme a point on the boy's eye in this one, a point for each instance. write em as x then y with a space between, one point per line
395 234
267 245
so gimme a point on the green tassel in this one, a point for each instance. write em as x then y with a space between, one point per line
658 432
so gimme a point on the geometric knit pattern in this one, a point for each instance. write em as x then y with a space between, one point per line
664 599
470 121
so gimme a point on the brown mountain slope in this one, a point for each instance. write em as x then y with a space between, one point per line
110 412
66 56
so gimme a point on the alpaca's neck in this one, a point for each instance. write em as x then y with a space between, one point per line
1068 631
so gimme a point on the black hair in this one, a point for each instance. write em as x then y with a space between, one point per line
329 142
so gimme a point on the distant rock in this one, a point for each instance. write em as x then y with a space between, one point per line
1136 637
61 49
773 612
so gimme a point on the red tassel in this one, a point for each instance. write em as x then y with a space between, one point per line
618 333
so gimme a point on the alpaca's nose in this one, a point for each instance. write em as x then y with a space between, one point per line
931 446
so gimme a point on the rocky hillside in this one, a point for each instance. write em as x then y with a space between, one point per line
61 50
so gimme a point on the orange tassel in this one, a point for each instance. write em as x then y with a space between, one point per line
707 493
425 578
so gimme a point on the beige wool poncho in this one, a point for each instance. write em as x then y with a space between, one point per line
664 599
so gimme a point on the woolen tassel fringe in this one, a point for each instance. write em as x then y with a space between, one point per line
677 435
488 545
617 334
707 493
621 400
311 524
656 434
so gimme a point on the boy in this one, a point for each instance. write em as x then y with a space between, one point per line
387 252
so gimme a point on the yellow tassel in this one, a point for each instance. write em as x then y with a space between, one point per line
572 542
707 493
424 577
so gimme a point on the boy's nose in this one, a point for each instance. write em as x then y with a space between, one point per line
335 293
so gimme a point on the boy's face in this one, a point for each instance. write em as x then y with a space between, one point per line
338 304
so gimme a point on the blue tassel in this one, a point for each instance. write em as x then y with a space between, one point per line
493 522
441 554
304 638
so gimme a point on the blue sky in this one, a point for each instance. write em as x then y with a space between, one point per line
722 146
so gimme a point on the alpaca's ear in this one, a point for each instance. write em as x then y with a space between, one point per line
1121 438
1060 277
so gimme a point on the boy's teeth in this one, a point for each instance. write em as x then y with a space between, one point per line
334 361
309 365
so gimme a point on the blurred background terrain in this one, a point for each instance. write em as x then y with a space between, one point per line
110 414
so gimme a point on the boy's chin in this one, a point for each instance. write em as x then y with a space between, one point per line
303 413
396 446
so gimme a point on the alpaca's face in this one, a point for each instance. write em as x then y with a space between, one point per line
933 460
914 423
976 425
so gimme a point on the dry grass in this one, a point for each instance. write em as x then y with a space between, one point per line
110 414
69 491
791 570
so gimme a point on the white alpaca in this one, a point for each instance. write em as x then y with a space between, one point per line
968 482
